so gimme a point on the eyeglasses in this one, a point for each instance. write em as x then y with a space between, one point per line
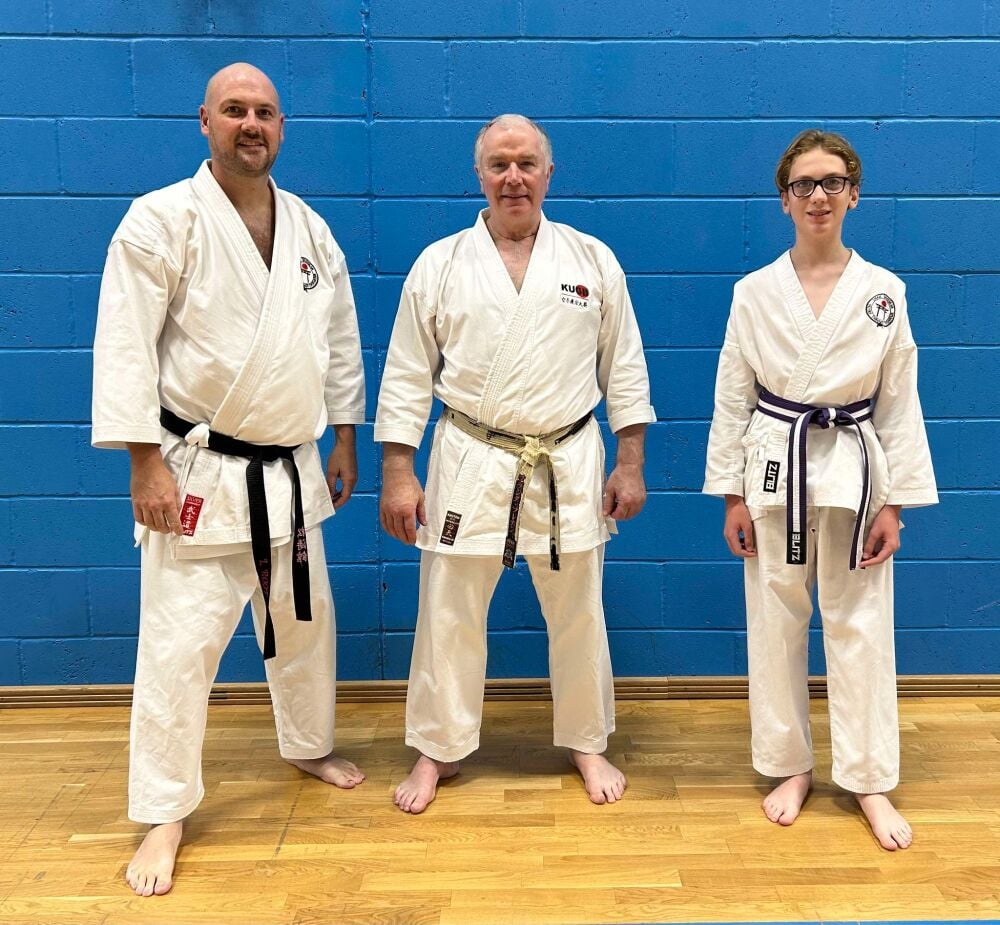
803 189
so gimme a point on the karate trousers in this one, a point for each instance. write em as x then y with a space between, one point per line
190 609
856 612
444 699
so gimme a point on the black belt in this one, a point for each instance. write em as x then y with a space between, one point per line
529 449
800 416
260 533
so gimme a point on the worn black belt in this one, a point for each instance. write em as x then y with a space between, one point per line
800 416
260 533
530 450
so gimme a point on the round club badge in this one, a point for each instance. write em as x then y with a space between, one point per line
881 309
309 275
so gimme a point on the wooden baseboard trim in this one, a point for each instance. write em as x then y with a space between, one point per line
674 688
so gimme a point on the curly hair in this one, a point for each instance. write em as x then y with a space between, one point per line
814 138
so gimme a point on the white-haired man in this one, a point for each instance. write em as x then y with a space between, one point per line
520 326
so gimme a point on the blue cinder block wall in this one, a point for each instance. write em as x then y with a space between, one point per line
667 119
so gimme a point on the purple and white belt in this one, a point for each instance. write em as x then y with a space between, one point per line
800 416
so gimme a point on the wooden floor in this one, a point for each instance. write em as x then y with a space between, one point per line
513 839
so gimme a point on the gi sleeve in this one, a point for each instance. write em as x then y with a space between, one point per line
735 400
404 401
345 379
621 365
899 422
135 292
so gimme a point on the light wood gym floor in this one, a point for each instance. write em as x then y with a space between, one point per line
513 839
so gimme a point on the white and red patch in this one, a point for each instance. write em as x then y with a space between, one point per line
309 275
576 295
190 512
881 309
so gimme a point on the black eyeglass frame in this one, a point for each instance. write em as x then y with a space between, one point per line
844 181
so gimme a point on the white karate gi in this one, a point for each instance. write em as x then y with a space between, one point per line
860 347
527 363
191 318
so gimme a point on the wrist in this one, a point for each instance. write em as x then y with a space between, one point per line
344 434
142 454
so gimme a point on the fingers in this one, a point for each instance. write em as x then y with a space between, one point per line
340 498
624 510
342 494
732 538
623 506
421 512
161 518
886 552
738 534
408 529
173 519
401 526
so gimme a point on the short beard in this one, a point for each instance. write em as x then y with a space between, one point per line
236 165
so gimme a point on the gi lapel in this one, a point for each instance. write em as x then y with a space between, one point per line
816 332
274 289
520 309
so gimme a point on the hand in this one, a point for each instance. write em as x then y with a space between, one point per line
738 528
402 503
625 492
883 537
155 503
342 466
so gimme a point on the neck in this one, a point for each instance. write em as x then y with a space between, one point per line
243 192
810 254
500 232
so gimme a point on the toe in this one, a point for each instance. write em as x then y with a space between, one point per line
162 886
597 798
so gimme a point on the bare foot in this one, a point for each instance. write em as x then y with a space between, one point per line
782 805
888 826
152 868
333 770
603 782
417 792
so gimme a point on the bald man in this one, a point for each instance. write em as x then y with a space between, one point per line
226 344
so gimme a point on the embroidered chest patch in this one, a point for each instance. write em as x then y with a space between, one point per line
881 309
575 295
309 275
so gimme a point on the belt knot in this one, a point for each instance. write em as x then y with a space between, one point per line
533 450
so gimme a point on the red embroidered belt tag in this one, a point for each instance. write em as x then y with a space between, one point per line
190 513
